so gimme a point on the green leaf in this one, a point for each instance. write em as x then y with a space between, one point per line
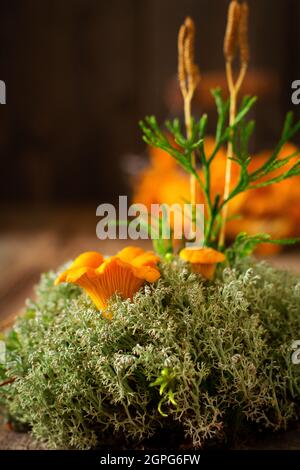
174 129
171 397
202 126
222 108
163 387
157 382
287 123
245 244
160 410
247 104
285 241
245 135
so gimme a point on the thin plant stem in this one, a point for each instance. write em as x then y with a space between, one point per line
234 89
189 76
188 125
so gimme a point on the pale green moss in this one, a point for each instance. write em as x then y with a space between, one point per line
81 377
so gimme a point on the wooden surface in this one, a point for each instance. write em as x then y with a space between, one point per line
10 440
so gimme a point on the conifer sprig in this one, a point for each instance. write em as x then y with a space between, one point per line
233 129
239 134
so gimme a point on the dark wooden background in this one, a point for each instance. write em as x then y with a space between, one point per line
80 73
79 76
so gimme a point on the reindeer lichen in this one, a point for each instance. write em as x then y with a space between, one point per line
226 344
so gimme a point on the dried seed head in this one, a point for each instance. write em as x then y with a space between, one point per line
188 72
190 26
191 68
232 31
181 60
189 44
243 34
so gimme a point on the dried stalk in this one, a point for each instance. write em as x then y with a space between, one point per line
188 76
236 36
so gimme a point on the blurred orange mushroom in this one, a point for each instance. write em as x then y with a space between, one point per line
273 209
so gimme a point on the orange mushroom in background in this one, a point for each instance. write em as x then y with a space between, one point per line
203 260
124 274
273 209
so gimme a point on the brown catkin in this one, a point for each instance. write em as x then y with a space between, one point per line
188 72
192 70
190 25
232 31
243 34
181 59
189 45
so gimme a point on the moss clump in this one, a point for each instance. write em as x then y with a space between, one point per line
226 345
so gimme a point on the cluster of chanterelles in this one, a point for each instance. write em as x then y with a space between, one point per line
126 272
